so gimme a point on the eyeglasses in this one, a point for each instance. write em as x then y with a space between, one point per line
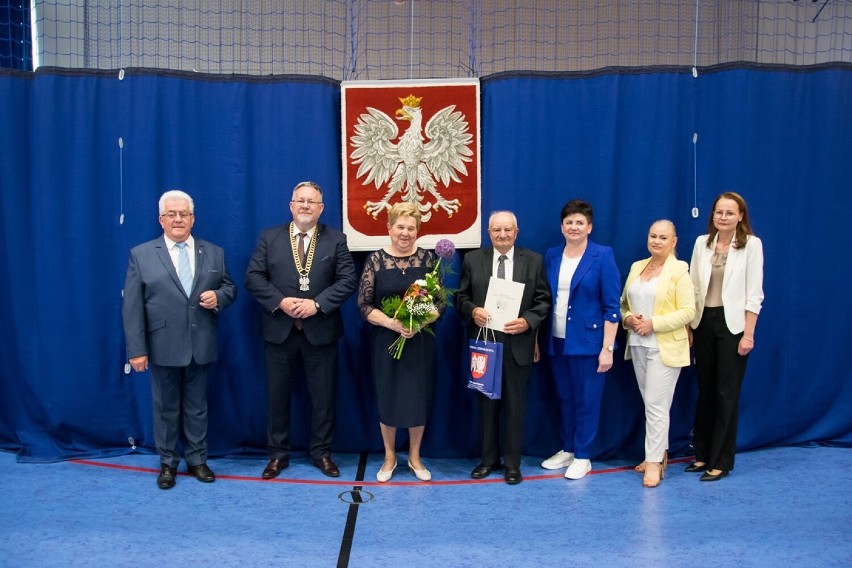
307 202
172 215
727 214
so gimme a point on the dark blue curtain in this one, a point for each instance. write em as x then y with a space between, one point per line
623 141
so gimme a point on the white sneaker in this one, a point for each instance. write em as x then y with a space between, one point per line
578 469
558 460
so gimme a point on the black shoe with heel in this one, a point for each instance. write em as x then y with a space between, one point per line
710 477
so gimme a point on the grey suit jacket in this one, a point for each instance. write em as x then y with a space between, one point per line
160 321
535 304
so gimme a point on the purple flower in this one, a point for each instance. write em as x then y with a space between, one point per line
445 249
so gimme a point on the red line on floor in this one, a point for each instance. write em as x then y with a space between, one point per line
349 483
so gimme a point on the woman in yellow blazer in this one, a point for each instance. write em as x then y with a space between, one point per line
657 303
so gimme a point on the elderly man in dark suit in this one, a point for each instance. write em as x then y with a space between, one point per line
505 260
301 272
175 287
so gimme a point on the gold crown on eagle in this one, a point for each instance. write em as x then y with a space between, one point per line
411 101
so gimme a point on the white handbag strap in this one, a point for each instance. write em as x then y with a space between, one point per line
483 332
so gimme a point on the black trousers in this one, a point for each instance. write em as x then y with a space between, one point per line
720 371
320 365
512 406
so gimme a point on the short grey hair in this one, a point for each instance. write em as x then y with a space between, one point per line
495 213
312 184
176 194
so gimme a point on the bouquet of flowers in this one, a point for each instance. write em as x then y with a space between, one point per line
418 307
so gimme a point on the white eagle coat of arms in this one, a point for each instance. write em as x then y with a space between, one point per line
415 163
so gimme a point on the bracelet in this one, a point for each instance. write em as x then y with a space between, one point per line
748 339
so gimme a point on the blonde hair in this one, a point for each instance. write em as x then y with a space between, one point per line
404 209
674 232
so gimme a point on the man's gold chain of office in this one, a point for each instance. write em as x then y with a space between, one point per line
304 281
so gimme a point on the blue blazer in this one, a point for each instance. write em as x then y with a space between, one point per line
595 298
160 320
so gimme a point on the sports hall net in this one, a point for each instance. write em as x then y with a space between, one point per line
417 39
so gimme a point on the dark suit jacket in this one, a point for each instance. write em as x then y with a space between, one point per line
595 298
271 276
160 321
535 305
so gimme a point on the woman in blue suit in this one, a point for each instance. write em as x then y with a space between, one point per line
586 288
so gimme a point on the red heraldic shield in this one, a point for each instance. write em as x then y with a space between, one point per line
415 141
478 365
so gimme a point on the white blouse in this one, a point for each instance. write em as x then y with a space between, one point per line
567 268
642 295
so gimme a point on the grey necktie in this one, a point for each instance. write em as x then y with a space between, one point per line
184 271
302 248
501 267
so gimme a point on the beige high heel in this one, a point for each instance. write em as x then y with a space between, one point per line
641 467
650 481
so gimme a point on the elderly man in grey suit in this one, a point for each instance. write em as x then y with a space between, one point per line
175 287
301 272
518 336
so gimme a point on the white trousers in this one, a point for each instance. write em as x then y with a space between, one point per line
657 384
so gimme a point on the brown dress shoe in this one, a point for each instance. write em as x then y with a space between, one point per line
274 467
327 466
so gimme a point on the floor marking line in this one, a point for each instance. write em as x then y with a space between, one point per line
359 483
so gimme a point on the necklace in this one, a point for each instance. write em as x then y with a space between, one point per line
304 281
407 262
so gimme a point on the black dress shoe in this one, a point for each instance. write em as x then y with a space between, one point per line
327 466
166 479
692 468
202 473
482 471
710 477
513 476
274 467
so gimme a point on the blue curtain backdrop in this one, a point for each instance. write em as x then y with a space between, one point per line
780 137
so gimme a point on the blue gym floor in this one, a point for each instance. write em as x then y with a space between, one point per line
780 507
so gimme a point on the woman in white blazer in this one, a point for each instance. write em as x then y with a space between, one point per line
727 270
657 303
